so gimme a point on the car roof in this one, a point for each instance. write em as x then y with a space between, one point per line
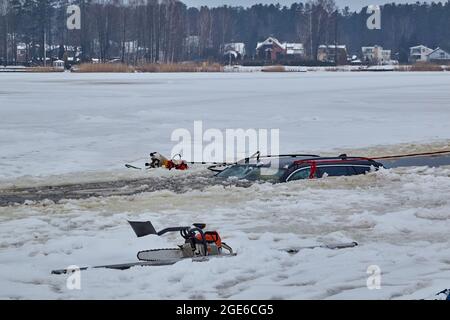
338 161
288 160
283 160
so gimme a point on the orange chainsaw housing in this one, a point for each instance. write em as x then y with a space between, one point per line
211 237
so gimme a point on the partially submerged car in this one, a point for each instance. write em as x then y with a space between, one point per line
290 167
285 168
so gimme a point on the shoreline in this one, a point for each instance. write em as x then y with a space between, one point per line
245 69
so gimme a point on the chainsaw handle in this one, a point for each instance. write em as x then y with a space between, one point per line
227 247
172 229
200 231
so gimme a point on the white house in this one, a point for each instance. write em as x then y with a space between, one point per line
58 64
192 45
438 55
235 50
22 51
376 55
294 48
192 41
419 53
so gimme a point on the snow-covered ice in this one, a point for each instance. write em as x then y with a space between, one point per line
52 127
61 123
399 217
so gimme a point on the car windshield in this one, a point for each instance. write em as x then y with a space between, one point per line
251 172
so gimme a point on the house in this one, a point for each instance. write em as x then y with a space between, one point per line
233 51
72 54
22 53
192 46
294 49
419 53
272 49
329 53
439 55
192 41
355 61
376 55
58 64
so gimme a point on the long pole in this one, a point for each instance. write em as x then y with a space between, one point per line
45 47
82 35
336 38
6 38
4 13
310 32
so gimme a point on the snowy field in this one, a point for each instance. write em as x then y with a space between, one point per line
61 128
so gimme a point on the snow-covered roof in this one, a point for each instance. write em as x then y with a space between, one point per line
371 48
269 41
332 46
293 45
436 50
420 47
290 47
293 48
21 46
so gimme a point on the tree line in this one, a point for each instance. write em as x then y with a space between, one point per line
149 31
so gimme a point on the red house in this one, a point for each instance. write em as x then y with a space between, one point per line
270 49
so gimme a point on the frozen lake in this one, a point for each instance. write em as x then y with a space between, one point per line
58 126
61 123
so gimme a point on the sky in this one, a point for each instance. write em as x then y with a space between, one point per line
353 4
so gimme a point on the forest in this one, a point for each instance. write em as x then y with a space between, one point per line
168 31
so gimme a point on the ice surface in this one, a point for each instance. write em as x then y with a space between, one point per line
52 127
399 217
64 123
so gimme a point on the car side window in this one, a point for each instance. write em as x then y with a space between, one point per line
361 169
252 173
300 174
334 171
